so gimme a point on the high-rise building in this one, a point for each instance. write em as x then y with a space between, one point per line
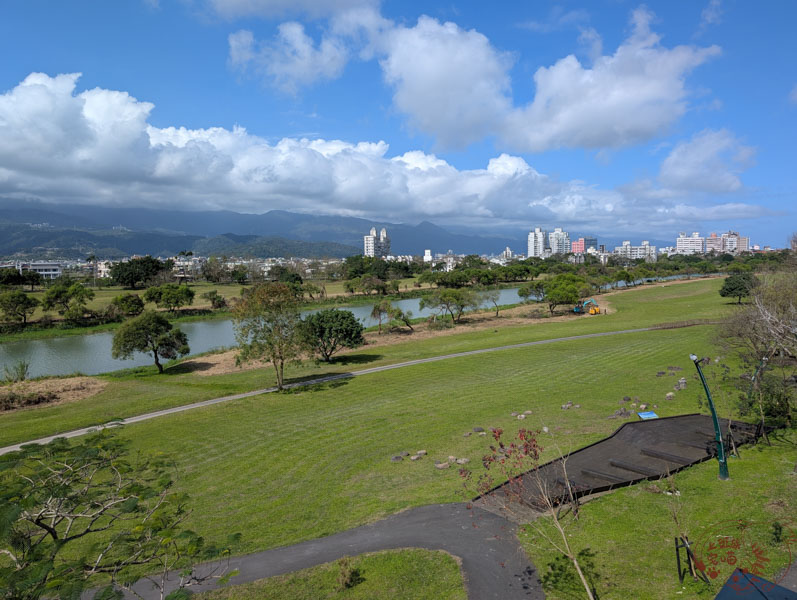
693 244
645 251
579 246
733 242
714 244
590 241
538 242
559 241
377 246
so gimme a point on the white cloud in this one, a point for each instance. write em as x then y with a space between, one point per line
711 14
558 19
450 82
710 162
455 85
292 59
793 94
97 147
626 98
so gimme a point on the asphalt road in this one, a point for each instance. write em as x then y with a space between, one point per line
323 379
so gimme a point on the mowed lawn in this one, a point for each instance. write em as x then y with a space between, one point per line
282 468
142 390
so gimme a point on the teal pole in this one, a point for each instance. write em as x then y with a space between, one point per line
717 433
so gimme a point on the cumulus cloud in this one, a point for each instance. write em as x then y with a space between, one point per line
454 84
710 162
450 82
711 14
626 98
292 59
558 19
96 146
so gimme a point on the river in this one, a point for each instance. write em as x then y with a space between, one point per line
91 354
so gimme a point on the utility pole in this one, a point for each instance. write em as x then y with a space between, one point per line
723 475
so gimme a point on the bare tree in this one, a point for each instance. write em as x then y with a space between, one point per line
529 493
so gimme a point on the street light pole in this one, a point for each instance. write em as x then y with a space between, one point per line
717 433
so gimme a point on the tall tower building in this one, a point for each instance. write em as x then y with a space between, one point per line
538 242
376 245
560 241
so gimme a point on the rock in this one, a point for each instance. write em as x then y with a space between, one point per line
482 433
526 412
416 457
466 434
478 429
643 406
452 458
521 417
395 459
514 414
655 406
636 398
626 398
441 465
421 453
576 406
567 405
463 461
405 453
660 374
545 430
677 387
669 396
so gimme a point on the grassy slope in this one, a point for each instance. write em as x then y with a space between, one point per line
142 390
632 532
393 575
289 467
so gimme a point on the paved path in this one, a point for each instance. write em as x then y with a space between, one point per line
322 379
493 563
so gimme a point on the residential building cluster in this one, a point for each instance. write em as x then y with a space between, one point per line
730 243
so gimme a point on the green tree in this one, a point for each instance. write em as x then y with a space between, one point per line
215 271
130 305
150 332
562 289
31 278
738 286
216 300
451 301
267 326
17 306
533 288
381 312
327 331
138 270
10 276
68 300
170 296
79 516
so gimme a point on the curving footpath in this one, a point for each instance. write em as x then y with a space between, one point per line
323 379
493 563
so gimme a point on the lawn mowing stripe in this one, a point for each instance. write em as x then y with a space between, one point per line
319 380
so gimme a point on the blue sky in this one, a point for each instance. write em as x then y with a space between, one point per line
614 118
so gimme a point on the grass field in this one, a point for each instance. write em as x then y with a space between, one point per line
406 574
141 390
282 468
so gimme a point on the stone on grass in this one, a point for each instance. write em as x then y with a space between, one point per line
452 458
478 429
514 414
660 374
416 457
421 452
466 434
526 412
405 453
643 406
482 433
669 396
521 417
395 459
463 461
443 465
545 430
655 406
626 398
567 405
576 406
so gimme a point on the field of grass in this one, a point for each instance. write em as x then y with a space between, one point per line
141 390
632 533
283 468
406 574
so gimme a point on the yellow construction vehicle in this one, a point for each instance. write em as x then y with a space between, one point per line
587 307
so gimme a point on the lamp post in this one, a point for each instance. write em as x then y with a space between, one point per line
717 434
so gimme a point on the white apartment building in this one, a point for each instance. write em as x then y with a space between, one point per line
538 242
559 241
427 256
376 246
644 251
733 242
693 244
47 269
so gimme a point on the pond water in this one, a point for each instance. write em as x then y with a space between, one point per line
91 354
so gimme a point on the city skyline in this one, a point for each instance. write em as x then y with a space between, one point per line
618 119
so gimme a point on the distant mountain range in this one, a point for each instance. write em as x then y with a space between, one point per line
76 230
